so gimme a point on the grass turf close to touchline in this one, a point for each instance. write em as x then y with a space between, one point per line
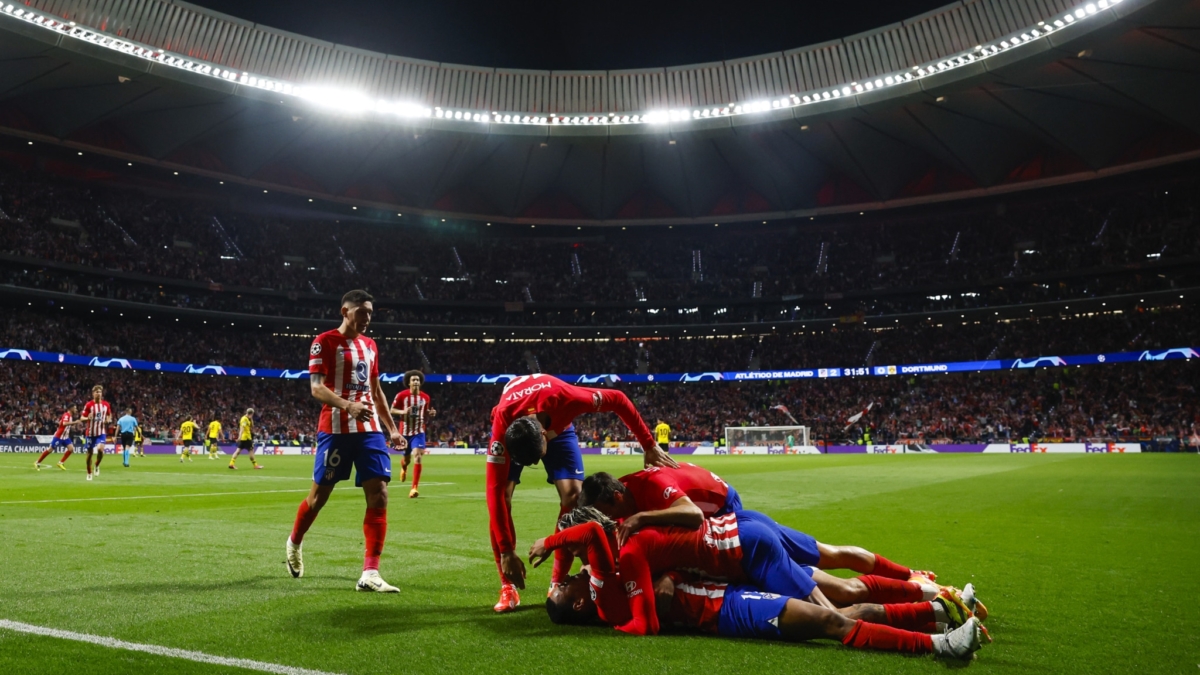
1087 564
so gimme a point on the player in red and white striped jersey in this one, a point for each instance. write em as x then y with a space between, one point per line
97 414
412 406
343 367
62 439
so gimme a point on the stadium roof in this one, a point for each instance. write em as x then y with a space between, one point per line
977 97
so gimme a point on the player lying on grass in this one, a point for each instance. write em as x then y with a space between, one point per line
532 423
734 610
343 367
685 495
740 611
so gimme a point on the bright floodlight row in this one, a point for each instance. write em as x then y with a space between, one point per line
356 102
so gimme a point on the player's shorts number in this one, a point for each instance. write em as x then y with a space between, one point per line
332 458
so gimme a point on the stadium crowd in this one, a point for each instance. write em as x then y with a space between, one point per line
1117 402
119 230
851 345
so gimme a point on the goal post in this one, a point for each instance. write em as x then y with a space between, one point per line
766 437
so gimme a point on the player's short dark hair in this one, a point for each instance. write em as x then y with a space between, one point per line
563 613
357 297
523 440
599 488
410 374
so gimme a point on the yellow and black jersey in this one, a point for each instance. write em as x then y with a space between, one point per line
214 429
245 429
187 430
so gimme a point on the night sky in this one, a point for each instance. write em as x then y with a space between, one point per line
574 35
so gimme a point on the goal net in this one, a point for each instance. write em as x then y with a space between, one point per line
765 437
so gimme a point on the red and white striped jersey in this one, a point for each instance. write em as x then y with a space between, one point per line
349 367
64 429
98 414
697 602
414 422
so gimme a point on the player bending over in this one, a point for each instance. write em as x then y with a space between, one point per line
96 415
684 496
343 368
61 439
533 422
245 440
126 429
212 440
412 406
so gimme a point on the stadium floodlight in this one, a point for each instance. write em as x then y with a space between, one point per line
350 101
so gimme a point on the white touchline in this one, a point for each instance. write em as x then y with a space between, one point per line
109 499
199 657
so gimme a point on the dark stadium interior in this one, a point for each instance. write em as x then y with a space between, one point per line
140 241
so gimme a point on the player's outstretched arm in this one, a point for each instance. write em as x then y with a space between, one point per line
683 512
617 402
586 540
503 533
639 587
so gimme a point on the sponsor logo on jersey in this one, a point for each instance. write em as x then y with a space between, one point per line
632 589
668 492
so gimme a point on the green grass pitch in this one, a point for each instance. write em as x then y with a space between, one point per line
1087 563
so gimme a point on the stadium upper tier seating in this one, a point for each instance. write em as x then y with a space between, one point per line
96 239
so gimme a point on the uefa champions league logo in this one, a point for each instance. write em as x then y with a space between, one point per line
19 354
109 363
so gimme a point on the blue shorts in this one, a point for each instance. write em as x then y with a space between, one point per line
563 459
801 548
750 613
93 441
414 441
733 502
765 559
60 443
367 452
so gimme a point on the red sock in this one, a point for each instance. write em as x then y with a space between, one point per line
875 636
889 569
910 615
416 476
562 558
43 456
883 590
375 531
65 455
304 520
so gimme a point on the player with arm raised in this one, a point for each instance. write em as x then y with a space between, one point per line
412 406
61 439
343 367
532 423
96 415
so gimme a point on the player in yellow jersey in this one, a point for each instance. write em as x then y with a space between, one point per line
245 440
138 440
662 434
213 439
187 434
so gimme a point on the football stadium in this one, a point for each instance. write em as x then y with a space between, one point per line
849 338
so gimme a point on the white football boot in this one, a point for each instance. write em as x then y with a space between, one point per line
295 559
371 581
